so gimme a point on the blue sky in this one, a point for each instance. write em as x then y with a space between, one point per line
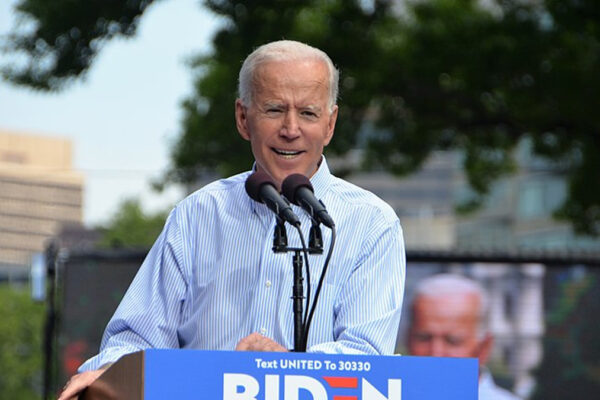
123 116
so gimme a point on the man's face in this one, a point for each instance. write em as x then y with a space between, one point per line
447 326
288 122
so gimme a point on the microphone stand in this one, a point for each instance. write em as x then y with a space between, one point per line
298 299
280 246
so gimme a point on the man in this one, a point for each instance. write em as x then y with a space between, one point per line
448 319
211 280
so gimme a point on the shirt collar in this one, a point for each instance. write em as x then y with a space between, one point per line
322 179
485 378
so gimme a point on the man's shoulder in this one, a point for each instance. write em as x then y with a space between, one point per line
360 198
488 390
221 186
497 393
217 194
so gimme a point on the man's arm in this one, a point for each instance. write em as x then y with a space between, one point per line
150 312
367 312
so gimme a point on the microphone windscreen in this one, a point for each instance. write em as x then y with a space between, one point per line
292 183
255 182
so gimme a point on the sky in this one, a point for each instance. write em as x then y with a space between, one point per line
124 115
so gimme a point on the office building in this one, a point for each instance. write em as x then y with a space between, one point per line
39 193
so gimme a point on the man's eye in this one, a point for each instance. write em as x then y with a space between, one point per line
454 341
309 114
422 337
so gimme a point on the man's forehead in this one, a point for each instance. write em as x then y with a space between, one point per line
275 70
450 305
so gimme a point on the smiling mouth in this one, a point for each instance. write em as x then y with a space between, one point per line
287 153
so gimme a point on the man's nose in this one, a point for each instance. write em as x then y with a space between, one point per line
438 348
290 128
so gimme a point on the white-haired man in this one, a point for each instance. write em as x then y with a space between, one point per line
448 319
211 280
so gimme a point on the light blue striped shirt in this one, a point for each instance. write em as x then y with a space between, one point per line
212 278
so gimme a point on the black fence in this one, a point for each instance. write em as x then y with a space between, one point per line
542 313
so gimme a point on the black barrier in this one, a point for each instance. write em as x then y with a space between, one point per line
539 301
90 287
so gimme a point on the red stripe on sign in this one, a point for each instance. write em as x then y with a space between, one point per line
345 398
342 382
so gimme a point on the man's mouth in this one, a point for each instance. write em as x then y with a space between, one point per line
287 153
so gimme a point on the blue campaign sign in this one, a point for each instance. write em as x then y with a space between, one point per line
230 375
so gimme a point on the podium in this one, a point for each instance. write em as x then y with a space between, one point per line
229 375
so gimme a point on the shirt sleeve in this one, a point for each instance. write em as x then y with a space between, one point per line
151 310
367 312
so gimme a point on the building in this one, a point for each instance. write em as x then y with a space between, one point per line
39 193
423 200
518 212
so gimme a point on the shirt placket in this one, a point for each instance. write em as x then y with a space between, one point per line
265 303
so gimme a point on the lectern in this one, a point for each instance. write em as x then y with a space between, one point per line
229 375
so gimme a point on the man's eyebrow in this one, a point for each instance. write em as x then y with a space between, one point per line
311 107
272 104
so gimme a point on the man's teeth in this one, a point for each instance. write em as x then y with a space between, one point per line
286 152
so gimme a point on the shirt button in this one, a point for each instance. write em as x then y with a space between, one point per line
268 283
263 331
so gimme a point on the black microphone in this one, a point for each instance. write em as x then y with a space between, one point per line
298 189
260 187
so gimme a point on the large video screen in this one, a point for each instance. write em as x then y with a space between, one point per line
542 319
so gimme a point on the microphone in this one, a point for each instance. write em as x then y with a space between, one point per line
260 187
298 189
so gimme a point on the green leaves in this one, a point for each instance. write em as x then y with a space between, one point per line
481 80
438 74
20 344
130 227
64 36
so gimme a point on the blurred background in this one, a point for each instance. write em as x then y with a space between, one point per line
476 120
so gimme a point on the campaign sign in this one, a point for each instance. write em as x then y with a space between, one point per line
231 375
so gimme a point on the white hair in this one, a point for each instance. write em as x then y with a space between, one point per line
454 284
284 50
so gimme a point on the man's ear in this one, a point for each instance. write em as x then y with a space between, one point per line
241 119
331 125
485 349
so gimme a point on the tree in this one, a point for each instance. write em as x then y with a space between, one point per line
20 344
130 227
461 76
65 38
442 74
